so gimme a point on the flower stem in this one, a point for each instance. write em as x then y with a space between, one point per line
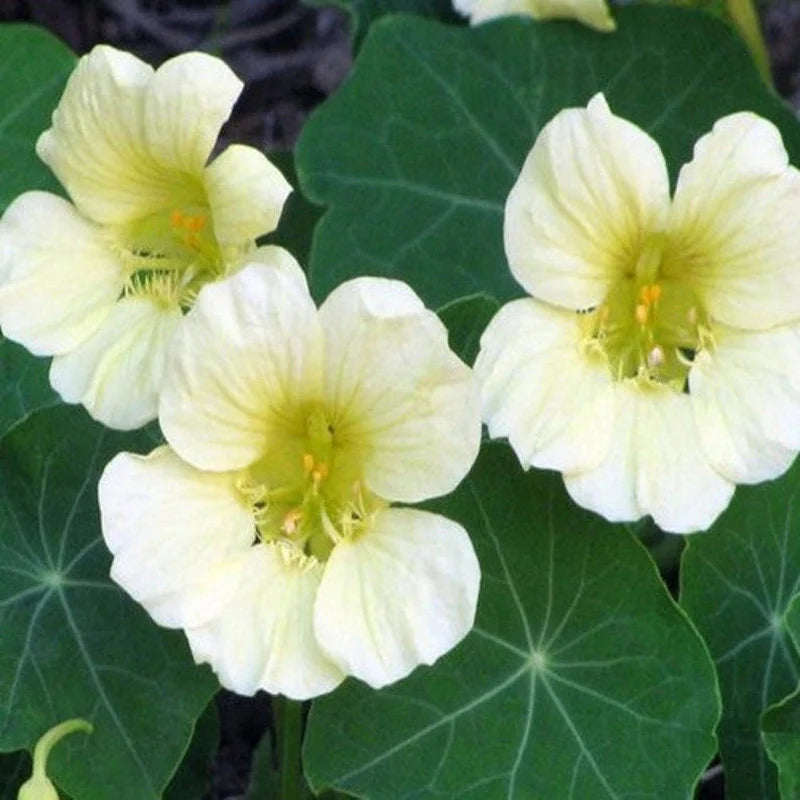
744 17
289 721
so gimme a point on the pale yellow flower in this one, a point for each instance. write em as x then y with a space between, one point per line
655 363
594 13
101 283
266 528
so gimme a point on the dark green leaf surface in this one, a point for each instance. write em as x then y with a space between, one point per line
580 680
466 319
15 769
192 780
71 643
736 583
24 385
34 68
780 725
416 175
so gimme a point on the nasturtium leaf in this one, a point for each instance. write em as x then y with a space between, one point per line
737 580
34 69
24 385
581 678
192 777
416 153
364 12
466 319
72 644
780 725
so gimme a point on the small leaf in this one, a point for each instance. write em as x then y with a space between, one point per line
34 69
780 725
72 644
466 319
581 677
737 580
415 177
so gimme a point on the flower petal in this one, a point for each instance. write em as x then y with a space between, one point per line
96 146
746 402
176 534
186 103
591 191
554 402
400 397
264 637
402 594
593 13
733 232
117 373
245 363
59 277
655 465
246 194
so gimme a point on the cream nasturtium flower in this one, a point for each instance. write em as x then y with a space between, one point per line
594 13
102 283
266 528
655 363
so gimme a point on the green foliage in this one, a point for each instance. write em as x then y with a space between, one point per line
780 725
466 319
34 67
581 677
737 581
415 178
191 779
72 644
14 770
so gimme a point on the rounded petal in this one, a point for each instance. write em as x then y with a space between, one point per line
264 637
655 465
245 363
246 194
554 402
95 145
733 231
593 13
591 191
177 535
747 402
401 595
399 396
59 277
186 103
117 373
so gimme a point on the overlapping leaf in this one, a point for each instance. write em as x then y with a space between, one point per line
737 581
416 154
780 725
466 319
71 643
34 68
581 678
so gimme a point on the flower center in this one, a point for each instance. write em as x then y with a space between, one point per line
171 254
318 501
649 327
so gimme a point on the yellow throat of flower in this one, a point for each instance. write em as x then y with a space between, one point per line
319 497
171 254
649 326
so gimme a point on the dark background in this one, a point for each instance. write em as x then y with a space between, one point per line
290 57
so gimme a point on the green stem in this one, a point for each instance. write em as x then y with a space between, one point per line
744 17
290 737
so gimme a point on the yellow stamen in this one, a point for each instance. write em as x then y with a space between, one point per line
291 521
308 463
176 218
641 313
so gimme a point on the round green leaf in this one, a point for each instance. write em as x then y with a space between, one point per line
736 584
581 678
465 320
416 153
72 644
34 68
